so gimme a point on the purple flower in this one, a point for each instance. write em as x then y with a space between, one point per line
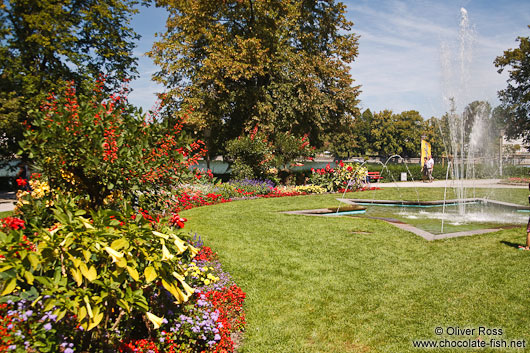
47 326
68 350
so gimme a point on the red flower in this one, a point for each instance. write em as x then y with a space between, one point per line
22 182
12 223
177 221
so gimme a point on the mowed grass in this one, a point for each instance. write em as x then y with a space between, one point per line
317 284
6 214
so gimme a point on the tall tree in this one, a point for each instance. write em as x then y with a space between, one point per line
384 134
280 64
516 97
409 129
362 127
45 43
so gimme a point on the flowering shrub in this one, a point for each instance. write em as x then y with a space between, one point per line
251 155
88 264
344 176
102 148
94 270
206 322
106 280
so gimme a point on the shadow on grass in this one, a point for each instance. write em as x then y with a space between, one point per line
510 244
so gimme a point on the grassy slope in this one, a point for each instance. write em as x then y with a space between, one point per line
318 284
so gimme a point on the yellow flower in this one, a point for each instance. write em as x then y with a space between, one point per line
157 321
179 243
166 255
116 256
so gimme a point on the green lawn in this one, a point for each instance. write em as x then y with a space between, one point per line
6 214
317 284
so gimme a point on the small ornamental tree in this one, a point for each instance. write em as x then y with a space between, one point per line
259 156
101 147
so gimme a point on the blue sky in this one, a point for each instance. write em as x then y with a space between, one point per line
401 49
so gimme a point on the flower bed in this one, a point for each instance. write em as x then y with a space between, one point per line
204 319
344 176
517 180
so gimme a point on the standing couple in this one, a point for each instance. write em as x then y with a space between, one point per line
428 166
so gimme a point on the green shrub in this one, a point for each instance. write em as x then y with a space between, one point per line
479 171
257 156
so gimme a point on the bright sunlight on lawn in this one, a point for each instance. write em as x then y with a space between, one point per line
317 284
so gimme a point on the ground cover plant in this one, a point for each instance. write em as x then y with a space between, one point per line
359 285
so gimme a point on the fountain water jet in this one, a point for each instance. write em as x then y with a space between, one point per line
467 131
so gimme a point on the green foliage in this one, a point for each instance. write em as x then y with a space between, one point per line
280 64
255 156
515 171
100 147
386 133
515 97
98 270
251 156
46 43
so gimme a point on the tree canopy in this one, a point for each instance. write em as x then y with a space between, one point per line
516 97
282 65
43 44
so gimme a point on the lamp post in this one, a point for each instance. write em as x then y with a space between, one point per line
500 152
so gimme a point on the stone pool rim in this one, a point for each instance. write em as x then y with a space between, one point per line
408 227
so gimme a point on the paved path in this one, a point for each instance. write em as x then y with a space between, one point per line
478 183
7 201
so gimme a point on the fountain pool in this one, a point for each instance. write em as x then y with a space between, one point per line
426 217
479 215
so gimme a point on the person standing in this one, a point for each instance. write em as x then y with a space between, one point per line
430 168
425 169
